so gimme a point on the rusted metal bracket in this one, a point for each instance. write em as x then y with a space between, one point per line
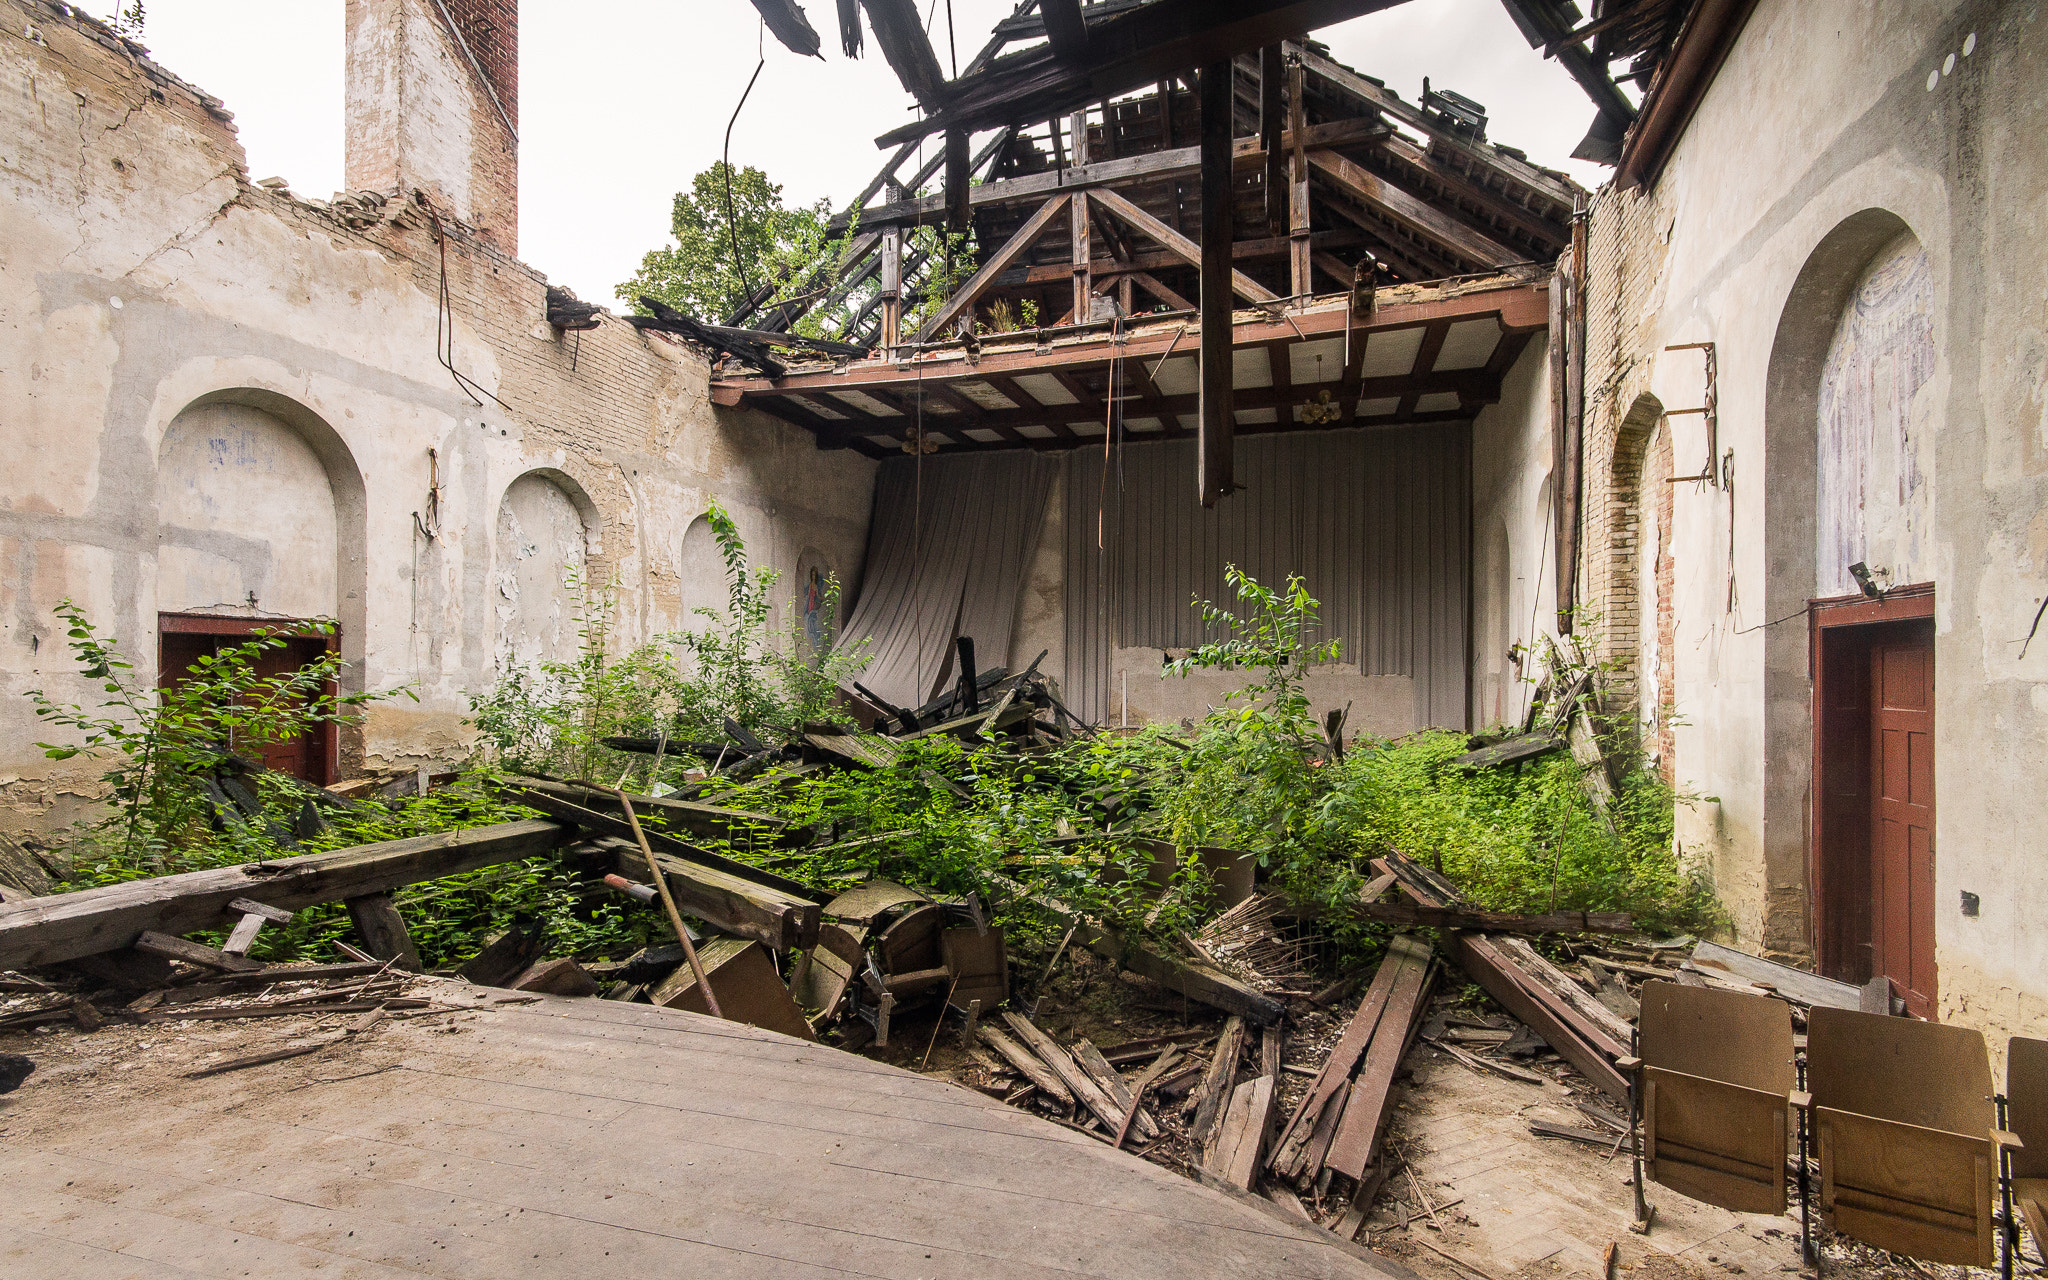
1709 410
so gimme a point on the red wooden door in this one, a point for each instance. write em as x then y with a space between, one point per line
1902 814
303 757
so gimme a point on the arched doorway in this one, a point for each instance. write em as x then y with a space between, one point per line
259 527
1849 803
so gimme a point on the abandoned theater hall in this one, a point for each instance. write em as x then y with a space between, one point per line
1223 672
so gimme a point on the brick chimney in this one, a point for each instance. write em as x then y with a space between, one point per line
433 105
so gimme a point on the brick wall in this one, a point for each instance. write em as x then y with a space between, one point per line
1624 263
491 30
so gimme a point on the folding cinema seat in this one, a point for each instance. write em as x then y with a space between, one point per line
1714 1086
2026 1114
1906 1127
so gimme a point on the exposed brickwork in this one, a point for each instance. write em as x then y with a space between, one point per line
1659 464
1624 263
491 30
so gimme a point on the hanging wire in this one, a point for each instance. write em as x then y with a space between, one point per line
444 322
732 224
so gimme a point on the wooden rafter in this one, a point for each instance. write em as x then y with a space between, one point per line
1419 216
1187 250
998 262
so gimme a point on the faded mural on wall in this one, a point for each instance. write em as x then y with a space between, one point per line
1873 491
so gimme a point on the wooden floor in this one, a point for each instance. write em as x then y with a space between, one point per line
579 1138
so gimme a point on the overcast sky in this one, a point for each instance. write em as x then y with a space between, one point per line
621 103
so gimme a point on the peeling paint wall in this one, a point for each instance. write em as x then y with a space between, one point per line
1853 218
210 390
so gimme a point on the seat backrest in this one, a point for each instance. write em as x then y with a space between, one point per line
1902 1069
2026 1092
1721 1035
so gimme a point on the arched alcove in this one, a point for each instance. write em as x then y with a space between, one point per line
246 521
544 536
702 571
1840 462
1623 616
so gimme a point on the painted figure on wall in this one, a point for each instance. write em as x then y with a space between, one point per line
815 601
1873 490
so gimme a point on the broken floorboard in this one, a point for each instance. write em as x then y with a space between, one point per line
88 922
550 1135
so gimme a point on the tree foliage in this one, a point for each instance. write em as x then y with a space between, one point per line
702 273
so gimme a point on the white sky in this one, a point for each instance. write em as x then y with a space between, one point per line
622 103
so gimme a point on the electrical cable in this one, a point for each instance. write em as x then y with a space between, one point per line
732 225
444 320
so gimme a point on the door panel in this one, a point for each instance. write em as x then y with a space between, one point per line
1902 816
304 757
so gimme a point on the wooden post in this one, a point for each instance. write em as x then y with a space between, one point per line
1272 112
383 930
1301 274
1077 129
892 280
1218 422
958 211
1082 258
668 904
1166 113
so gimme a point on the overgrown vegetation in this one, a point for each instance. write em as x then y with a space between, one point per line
958 817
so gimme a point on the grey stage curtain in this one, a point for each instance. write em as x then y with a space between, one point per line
950 565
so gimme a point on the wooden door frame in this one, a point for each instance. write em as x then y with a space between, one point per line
327 735
1825 618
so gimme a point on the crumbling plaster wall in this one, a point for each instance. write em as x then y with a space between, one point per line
146 276
1514 574
1830 129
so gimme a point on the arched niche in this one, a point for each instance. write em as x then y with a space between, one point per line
544 542
702 573
257 494
1622 604
1861 307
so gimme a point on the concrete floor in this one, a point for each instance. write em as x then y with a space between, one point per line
561 1137
1545 1208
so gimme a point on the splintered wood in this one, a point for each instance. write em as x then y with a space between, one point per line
1246 942
1338 1123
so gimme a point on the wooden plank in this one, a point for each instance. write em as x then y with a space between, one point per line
170 948
1409 915
1424 219
1069 1071
1343 1057
1243 1165
1028 1064
620 830
726 902
736 825
1486 964
998 262
1796 984
90 921
1522 746
243 936
1589 1009
383 930
1216 417
1366 1110
1112 1085
1218 1079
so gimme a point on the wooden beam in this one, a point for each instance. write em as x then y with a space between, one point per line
1431 347
87 922
998 262
1187 250
892 288
1163 259
1300 275
1519 307
1416 215
1029 403
1145 280
899 28
958 212
1064 29
383 930
1272 121
1149 167
1126 52
1082 258
1216 447
1492 203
